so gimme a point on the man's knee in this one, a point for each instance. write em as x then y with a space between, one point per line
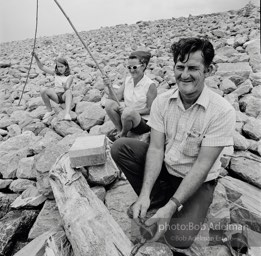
116 148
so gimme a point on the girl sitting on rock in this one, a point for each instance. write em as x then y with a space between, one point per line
62 83
138 93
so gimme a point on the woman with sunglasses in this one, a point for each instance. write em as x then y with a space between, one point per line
138 93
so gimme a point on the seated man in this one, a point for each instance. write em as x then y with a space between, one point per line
138 93
190 126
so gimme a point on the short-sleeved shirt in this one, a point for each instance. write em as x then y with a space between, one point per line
58 83
136 96
210 121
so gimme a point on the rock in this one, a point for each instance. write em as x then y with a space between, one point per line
90 117
49 136
48 219
5 183
226 51
5 202
5 64
243 88
20 185
253 50
257 91
255 78
82 106
43 163
19 115
3 132
247 166
35 126
250 105
228 69
118 207
14 130
64 128
155 249
227 86
34 103
244 201
100 192
93 95
29 198
18 142
9 162
240 142
252 129
26 168
103 174
13 225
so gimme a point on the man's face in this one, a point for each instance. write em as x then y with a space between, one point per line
190 76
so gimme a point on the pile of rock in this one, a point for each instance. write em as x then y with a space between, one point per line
29 147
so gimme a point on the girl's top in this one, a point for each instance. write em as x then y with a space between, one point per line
58 83
136 96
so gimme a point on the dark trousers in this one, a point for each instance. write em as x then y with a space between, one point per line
130 155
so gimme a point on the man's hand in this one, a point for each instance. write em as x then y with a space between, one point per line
162 218
140 207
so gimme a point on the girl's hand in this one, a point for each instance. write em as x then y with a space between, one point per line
106 81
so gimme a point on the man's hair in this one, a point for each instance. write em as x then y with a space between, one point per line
65 63
185 46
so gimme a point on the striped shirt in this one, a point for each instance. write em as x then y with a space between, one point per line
210 121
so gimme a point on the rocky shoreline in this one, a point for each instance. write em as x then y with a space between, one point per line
29 148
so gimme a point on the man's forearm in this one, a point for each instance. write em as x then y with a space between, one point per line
190 184
153 166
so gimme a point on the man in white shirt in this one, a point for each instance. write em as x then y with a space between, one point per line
190 126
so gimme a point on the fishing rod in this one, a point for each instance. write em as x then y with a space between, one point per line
36 25
86 47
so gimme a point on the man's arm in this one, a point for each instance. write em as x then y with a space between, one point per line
189 185
154 159
195 178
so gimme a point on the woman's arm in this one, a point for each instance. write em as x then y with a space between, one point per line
41 66
108 89
151 95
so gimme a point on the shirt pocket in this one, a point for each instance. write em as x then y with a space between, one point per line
191 146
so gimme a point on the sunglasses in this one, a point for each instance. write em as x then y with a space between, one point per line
133 67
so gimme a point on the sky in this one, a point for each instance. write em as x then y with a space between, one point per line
18 17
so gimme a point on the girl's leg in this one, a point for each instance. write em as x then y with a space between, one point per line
130 118
111 108
47 94
67 97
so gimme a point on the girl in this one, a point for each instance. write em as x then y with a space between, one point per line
62 83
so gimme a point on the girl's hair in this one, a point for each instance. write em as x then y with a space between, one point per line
65 63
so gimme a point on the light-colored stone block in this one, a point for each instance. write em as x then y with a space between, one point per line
88 151
227 69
